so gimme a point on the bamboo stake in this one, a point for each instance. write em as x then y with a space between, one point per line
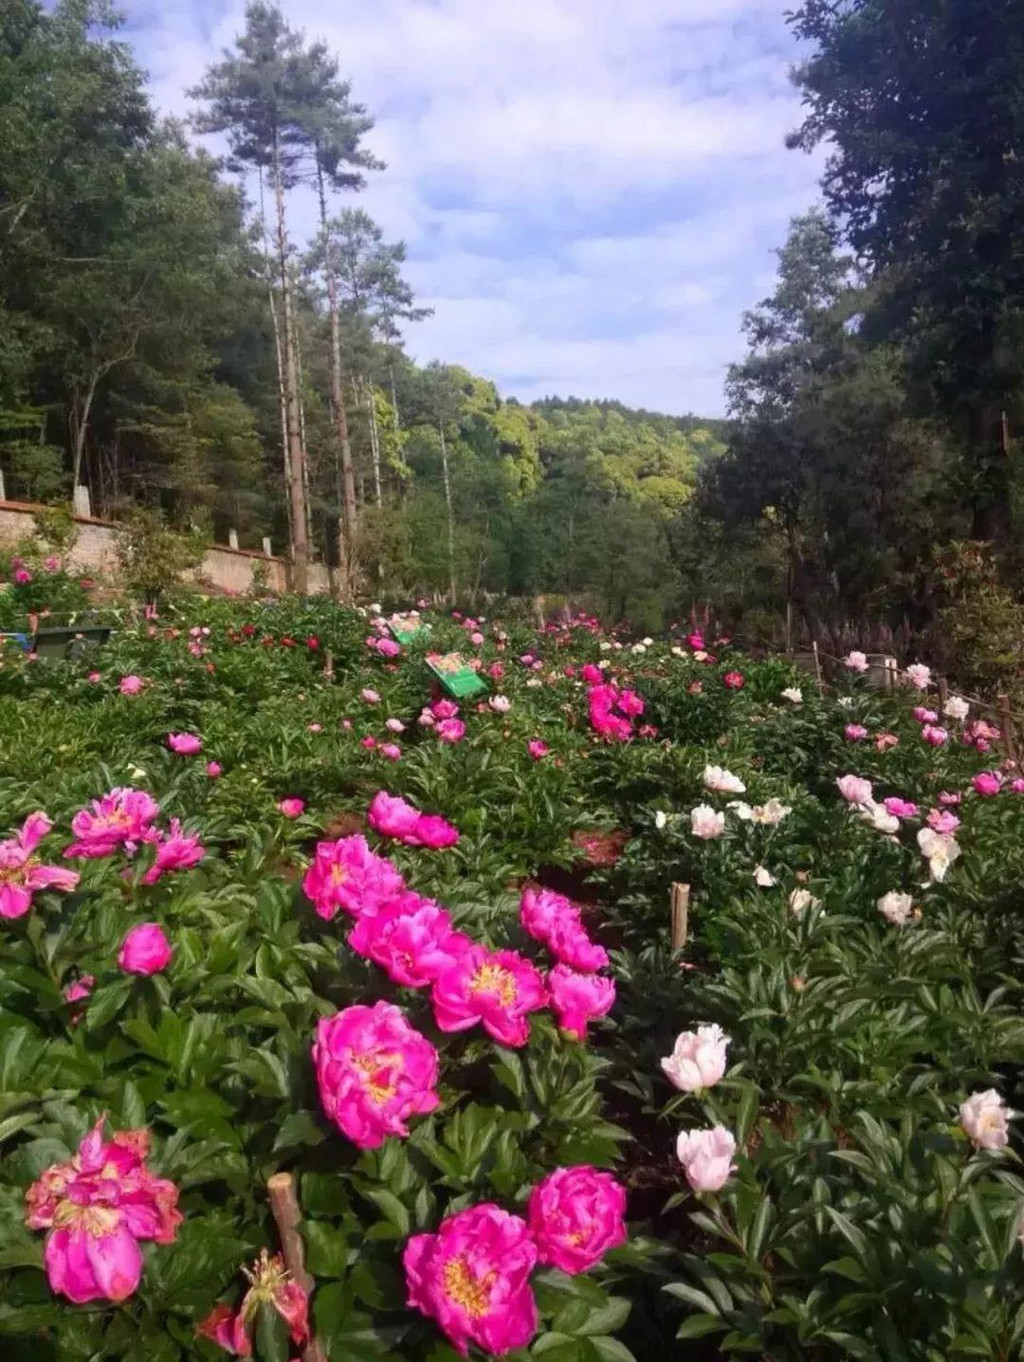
817 666
679 907
284 1205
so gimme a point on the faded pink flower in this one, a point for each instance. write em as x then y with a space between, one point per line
122 818
80 990
537 748
374 1071
390 751
96 1207
473 1278
394 725
733 681
214 769
498 988
579 998
576 1215
706 823
856 662
131 685
145 950
924 715
706 1156
942 821
900 808
855 733
291 806
270 1284
919 675
855 789
387 647
950 797
347 874
444 709
185 744
369 695
22 873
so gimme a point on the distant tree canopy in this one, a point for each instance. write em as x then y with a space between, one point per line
166 342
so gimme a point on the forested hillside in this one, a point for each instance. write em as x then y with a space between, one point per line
170 335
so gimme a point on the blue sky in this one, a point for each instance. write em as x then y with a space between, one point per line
590 190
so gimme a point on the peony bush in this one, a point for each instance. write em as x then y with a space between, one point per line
271 903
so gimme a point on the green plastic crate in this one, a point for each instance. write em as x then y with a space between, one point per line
457 679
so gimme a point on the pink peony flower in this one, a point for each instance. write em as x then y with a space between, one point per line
390 751
706 823
496 671
576 1215
472 1277
145 950
900 808
733 680
185 744
94 678
950 797
630 703
1018 786
886 740
855 789
96 1207
501 704
497 988
444 709
22 872
698 1059
986 1119
412 940
919 675
856 662
924 715
122 818
374 1071
291 806
591 674
934 736
369 695
22 576
579 998
391 816
451 730
537 749
314 728
131 685
476 639
346 874
942 821
394 725
855 733
80 990
987 783
369 742
555 921
387 647
269 1284
214 770
706 1156
175 851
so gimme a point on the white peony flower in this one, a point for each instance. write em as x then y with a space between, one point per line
698 1059
660 819
956 708
794 695
856 662
986 1119
720 780
939 850
771 813
501 704
800 900
896 907
763 877
919 675
846 701
878 816
740 809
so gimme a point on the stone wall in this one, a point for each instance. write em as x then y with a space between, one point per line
223 569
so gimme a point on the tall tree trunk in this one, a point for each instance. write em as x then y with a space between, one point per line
990 513
302 432
281 398
82 425
296 453
451 521
374 444
394 394
346 478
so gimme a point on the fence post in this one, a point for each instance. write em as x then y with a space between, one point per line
268 547
943 693
679 911
232 539
817 666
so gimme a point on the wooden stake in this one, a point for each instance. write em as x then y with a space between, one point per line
329 664
284 1205
1006 723
943 693
679 909
817 666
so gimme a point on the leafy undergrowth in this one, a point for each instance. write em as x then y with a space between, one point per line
861 1214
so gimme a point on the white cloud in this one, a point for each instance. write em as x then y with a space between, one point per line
589 189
